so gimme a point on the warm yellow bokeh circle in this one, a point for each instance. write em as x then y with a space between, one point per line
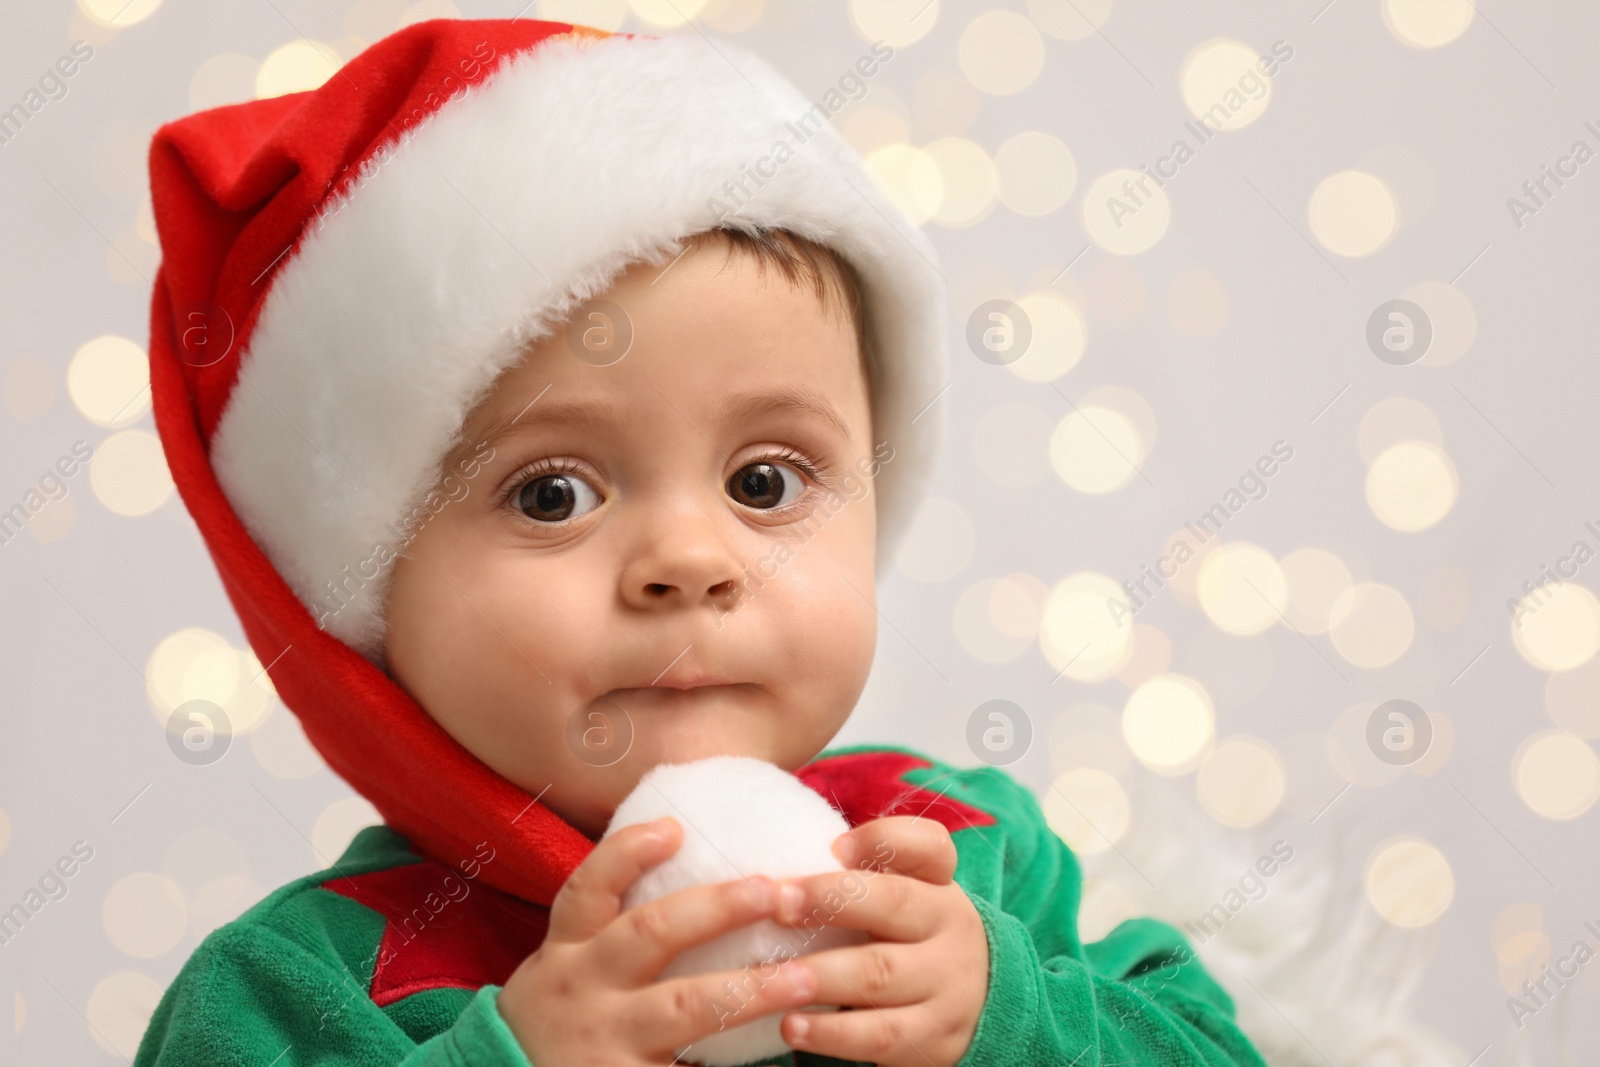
118 14
969 178
1222 86
1557 626
910 177
1372 624
1242 589
119 1010
1316 579
1037 173
1412 485
667 14
1088 809
1060 336
1000 52
1096 449
1241 782
129 474
1353 213
109 380
197 664
1168 723
1409 882
1125 211
895 22
145 914
1556 774
296 67
1428 23
1086 632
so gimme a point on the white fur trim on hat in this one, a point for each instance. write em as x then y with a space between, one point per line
479 231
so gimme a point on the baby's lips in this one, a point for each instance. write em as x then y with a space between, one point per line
669 695
685 677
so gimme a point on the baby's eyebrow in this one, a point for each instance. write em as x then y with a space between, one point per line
798 399
596 413
743 407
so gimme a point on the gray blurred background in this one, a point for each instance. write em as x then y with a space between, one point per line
1380 655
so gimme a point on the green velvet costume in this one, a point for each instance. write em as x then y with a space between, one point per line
391 958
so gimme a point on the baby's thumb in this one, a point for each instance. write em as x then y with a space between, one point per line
592 895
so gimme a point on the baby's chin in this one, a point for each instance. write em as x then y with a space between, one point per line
679 725
631 731
595 811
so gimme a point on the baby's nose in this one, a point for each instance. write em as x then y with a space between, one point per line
682 568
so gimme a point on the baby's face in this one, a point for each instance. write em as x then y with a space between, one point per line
646 570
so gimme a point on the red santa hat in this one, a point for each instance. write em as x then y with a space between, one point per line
344 273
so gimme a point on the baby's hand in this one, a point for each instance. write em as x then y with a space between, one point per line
589 995
919 986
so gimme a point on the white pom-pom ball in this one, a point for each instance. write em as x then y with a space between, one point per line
741 816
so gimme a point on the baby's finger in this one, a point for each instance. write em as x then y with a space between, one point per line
916 847
684 1010
887 906
904 1034
641 941
592 896
877 974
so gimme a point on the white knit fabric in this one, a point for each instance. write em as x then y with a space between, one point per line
1317 978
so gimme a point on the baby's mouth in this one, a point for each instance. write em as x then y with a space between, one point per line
678 696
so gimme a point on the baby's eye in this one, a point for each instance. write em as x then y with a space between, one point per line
555 497
765 485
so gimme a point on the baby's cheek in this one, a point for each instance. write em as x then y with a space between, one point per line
475 626
839 624
862 638
555 616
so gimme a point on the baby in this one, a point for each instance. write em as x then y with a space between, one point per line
611 531
661 453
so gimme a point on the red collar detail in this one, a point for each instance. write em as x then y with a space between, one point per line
444 931
867 785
